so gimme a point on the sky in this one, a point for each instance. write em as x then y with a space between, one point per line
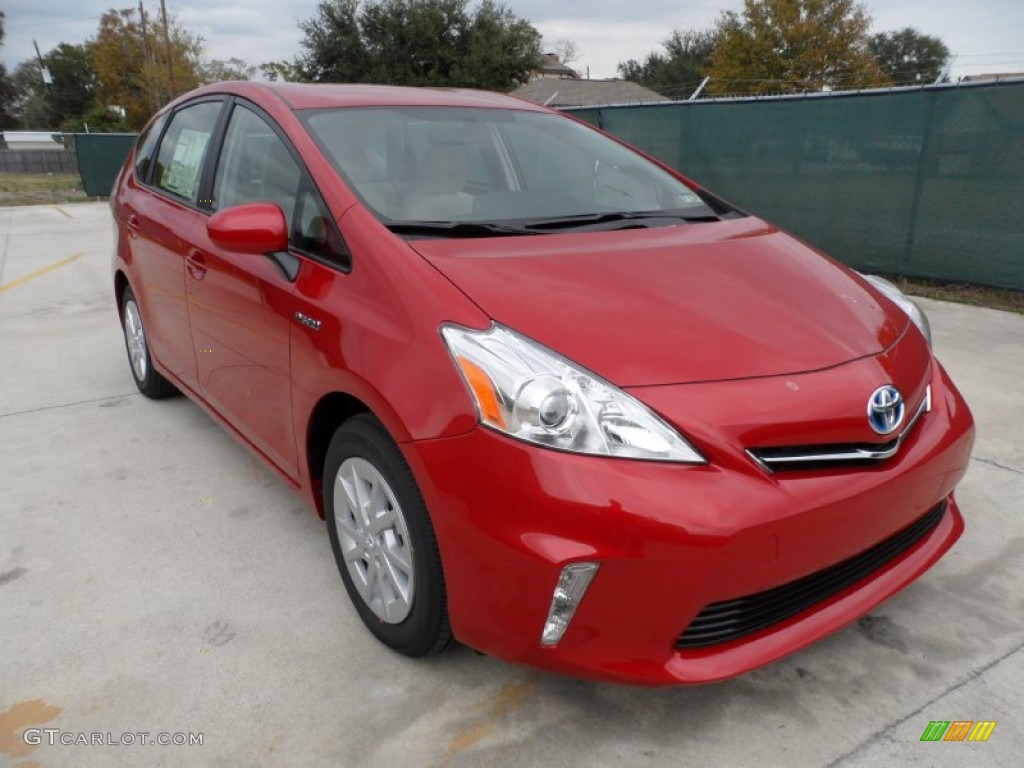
984 35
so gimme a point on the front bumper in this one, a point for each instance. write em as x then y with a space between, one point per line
672 539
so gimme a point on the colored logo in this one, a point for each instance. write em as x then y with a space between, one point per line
885 409
959 730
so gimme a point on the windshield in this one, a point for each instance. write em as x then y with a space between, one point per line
510 170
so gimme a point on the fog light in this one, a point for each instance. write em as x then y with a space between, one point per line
572 585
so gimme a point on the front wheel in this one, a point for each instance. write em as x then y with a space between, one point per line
383 540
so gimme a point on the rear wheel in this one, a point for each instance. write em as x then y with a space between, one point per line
383 540
147 379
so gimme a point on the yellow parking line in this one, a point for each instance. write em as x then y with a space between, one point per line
61 211
39 272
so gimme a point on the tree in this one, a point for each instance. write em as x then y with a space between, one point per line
907 56
114 81
73 88
35 105
677 71
566 50
280 71
793 46
219 70
418 42
7 92
132 66
99 119
27 106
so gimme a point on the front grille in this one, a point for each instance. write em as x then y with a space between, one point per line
732 619
801 458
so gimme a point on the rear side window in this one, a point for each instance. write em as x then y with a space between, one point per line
146 148
180 159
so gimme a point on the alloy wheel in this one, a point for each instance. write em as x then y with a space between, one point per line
374 540
135 338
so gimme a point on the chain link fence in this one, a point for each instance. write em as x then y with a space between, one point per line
925 182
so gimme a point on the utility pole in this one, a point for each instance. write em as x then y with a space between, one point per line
167 50
147 59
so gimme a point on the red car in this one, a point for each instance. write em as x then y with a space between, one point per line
554 400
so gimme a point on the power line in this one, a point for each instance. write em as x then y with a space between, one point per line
1005 53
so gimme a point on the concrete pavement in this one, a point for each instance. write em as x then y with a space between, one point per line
155 578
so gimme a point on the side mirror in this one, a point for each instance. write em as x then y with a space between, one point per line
249 228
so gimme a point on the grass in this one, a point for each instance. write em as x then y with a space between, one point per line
40 188
963 293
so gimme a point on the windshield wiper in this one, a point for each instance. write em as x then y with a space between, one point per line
542 226
455 229
590 219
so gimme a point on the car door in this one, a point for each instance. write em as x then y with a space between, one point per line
162 216
241 305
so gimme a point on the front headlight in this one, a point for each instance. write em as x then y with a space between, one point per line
531 393
904 302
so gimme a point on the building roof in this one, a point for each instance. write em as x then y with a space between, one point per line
554 92
992 76
553 67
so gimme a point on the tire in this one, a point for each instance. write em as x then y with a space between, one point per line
387 555
147 378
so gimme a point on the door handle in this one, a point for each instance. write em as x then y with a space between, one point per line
196 265
133 225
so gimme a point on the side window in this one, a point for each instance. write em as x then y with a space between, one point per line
180 159
255 166
316 234
146 148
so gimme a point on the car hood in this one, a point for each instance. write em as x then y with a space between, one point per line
670 305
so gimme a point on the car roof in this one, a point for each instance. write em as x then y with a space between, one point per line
327 95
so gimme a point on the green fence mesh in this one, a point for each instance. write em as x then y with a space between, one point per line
100 157
927 182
